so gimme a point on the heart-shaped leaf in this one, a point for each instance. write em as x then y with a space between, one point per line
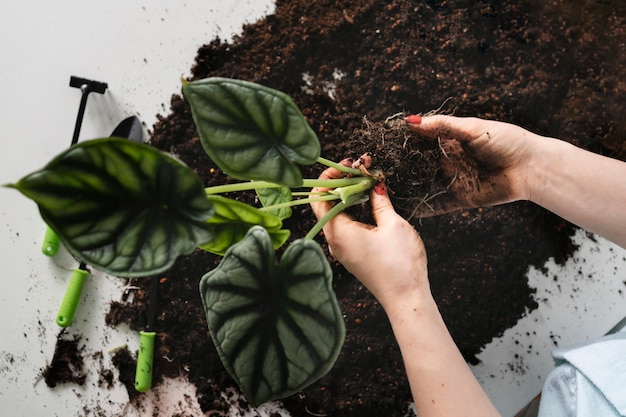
120 206
277 327
231 221
250 131
272 196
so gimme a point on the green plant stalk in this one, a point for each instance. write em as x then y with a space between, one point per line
338 208
307 183
351 191
346 193
324 197
308 193
340 167
350 196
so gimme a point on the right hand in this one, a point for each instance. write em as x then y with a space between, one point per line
500 151
388 258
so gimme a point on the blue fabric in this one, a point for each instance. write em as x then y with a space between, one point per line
589 380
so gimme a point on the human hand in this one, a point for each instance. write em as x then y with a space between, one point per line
485 162
389 258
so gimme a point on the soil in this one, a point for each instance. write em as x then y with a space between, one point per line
67 364
552 67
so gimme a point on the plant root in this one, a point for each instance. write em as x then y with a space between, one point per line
410 162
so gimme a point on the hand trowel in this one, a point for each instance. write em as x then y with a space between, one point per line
130 128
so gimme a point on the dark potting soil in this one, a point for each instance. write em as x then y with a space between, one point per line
551 67
67 365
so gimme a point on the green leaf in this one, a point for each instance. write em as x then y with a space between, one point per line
232 220
250 131
120 206
277 327
271 196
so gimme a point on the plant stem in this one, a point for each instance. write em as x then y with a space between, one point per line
307 183
346 193
340 167
326 197
308 193
337 208
332 183
239 186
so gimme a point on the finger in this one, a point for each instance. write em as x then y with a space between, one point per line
334 173
382 208
364 160
463 129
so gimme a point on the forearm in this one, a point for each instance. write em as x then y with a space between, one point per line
441 382
584 188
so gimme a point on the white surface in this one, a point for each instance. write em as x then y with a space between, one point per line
141 50
578 301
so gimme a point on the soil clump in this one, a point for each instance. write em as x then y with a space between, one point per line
67 366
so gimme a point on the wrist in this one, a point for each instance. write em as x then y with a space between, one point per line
544 155
418 325
411 306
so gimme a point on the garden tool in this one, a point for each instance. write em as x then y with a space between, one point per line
50 244
145 356
129 128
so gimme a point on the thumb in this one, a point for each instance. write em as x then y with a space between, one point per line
382 208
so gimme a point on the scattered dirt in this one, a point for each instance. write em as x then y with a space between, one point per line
67 362
552 67
126 363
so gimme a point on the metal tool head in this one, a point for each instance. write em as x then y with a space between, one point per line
129 128
88 85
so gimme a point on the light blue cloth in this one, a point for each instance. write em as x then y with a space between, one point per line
589 380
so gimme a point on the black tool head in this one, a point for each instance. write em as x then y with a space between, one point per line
89 85
129 128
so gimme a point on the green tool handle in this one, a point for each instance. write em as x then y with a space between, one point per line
143 374
71 298
51 243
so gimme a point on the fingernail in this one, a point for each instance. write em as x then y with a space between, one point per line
380 188
413 119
